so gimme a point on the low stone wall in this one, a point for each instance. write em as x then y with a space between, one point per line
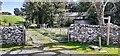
12 35
90 33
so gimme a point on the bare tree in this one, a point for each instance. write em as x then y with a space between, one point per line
100 8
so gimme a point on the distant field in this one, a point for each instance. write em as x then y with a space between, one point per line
11 19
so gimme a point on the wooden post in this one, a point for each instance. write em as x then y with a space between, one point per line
24 36
68 35
100 42
108 30
118 36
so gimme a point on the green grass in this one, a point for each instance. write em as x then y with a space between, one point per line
33 25
84 48
54 33
11 19
81 48
12 47
40 37
70 46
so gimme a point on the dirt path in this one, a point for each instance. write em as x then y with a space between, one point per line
36 39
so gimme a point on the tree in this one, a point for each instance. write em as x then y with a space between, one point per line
105 8
16 11
28 11
100 10
42 12
114 12
6 13
0 10
0 6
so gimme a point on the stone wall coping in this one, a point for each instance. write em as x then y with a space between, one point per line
95 26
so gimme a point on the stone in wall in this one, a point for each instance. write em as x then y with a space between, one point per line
89 33
12 35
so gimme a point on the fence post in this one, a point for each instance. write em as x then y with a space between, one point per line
118 36
24 36
108 30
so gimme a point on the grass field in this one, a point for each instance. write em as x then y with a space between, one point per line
11 19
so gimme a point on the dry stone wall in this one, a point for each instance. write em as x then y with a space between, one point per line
12 35
90 33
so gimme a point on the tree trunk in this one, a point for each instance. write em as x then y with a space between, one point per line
100 12
100 7
108 30
38 22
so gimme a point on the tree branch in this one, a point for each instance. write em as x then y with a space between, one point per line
106 3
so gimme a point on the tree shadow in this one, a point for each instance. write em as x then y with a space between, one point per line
52 35
7 45
38 48
82 46
50 45
55 45
14 49
11 45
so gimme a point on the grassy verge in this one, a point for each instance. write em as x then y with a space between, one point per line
10 19
12 47
81 48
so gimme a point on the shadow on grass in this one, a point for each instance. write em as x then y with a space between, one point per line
52 35
9 45
14 49
74 45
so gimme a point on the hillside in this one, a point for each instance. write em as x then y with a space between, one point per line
11 19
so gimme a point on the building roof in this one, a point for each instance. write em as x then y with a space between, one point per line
71 14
